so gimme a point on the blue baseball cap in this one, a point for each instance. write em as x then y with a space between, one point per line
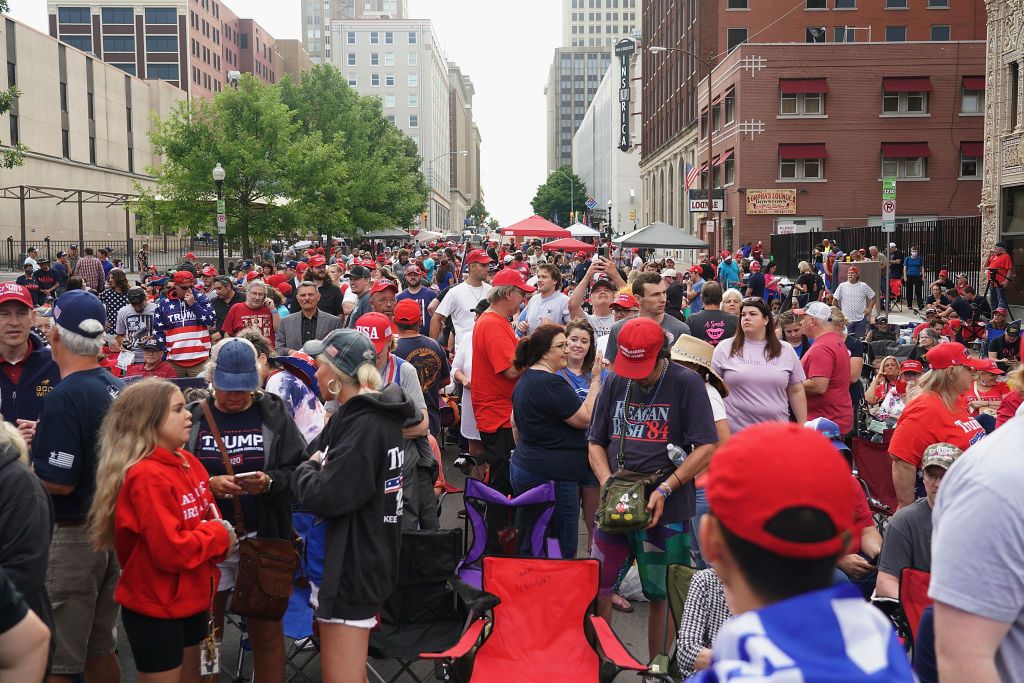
235 368
76 307
830 430
291 264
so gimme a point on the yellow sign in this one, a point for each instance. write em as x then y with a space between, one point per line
774 202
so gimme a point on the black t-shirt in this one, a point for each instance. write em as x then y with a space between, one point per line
547 446
943 300
243 437
895 271
856 348
64 450
1006 349
12 606
221 307
810 281
713 326
46 279
756 284
674 296
431 363
969 310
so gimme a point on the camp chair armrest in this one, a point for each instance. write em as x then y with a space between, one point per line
479 601
612 647
465 644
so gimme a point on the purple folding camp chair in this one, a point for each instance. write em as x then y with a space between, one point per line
537 504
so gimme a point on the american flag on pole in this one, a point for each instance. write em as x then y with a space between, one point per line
691 175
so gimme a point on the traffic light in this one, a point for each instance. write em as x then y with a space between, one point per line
426 219
632 215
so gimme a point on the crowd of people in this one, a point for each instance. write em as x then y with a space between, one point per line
155 432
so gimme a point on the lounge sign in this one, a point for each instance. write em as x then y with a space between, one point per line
624 50
771 202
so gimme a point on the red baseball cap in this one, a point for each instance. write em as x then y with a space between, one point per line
190 255
9 291
755 266
943 272
301 267
407 312
726 254
283 287
948 354
511 277
209 271
319 250
184 277
413 270
317 260
999 311
771 467
640 340
625 300
377 329
581 254
911 366
696 269
383 284
993 368
251 275
478 256
853 269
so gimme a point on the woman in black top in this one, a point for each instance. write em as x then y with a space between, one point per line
806 285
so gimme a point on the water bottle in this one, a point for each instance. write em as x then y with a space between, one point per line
675 454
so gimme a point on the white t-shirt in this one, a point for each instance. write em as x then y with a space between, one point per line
853 298
458 305
638 263
553 308
717 403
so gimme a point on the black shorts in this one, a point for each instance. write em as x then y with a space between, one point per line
498 446
157 644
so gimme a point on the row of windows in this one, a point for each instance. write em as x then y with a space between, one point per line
414 101
412 80
608 16
893 34
596 4
608 28
412 59
352 37
123 43
117 15
892 167
847 4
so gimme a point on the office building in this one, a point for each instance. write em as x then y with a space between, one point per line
585 23
465 146
317 16
292 58
401 62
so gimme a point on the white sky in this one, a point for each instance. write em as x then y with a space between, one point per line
504 46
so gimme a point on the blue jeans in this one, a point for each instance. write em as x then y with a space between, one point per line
858 329
997 297
702 509
565 522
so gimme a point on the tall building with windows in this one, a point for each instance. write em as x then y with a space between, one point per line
192 44
317 16
402 62
585 23
465 145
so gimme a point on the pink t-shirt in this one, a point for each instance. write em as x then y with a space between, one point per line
757 387
828 357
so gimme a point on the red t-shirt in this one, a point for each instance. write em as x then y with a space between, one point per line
977 392
861 516
999 267
927 420
240 317
164 370
494 345
828 357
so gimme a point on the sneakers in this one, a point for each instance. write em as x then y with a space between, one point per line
465 462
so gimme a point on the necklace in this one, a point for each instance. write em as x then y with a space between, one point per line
546 367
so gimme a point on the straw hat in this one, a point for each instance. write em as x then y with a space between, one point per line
689 349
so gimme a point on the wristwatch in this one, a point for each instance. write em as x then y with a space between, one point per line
270 484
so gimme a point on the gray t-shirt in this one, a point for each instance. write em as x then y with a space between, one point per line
673 328
134 326
602 324
908 540
978 541
553 308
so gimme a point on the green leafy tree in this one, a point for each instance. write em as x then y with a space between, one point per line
563 192
15 156
478 213
384 184
279 180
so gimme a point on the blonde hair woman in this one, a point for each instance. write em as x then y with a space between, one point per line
354 482
884 380
154 508
1013 400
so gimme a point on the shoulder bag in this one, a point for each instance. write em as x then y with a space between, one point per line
266 566
623 504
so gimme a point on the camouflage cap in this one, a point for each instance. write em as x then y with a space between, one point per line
941 455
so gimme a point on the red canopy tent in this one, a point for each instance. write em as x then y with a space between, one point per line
569 244
535 226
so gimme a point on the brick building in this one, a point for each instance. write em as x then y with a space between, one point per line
256 49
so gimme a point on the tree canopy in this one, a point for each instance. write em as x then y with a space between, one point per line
15 156
560 194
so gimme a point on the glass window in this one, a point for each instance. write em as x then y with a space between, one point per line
730 108
842 34
890 167
73 15
389 38
167 72
802 104
119 43
413 81
374 37
389 80
815 34
941 32
413 37
737 4
161 15
895 4
938 4
389 59
970 167
350 38
351 58
374 59
83 43
801 169
161 43
389 101
846 4
817 4
353 81
414 100
127 68
895 34
904 167
905 103
736 36
972 102
730 171
414 120
412 60
118 15
788 105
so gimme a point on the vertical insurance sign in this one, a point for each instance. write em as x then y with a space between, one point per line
624 50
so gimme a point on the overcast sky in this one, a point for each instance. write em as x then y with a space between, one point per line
504 47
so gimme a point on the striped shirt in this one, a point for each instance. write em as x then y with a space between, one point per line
184 330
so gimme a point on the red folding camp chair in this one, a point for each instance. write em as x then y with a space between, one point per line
914 596
873 468
544 627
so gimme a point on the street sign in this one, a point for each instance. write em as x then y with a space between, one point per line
222 224
699 200
888 205
591 203
709 226
624 50
787 229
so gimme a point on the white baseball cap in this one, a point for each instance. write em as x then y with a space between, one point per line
668 272
817 310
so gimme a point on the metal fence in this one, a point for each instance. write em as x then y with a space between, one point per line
951 243
161 251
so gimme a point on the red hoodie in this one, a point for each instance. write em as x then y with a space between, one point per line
167 549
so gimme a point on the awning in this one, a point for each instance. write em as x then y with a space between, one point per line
803 151
797 86
905 149
905 84
974 82
727 155
972 149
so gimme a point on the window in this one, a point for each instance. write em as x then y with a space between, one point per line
350 59
843 34
350 37
817 4
389 80
413 81
413 37
389 101
243 41
92 150
64 97
970 166
972 101
375 80
127 68
374 59
162 44
905 103
353 81
389 59
414 120
846 4
938 4
414 100
389 38
895 34
1011 95
73 15
65 144
802 104
737 4
391 119
117 15
374 37
730 108
412 60
941 32
166 72
83 43
736 36
815 34
716 118
730 171
15 133
161 15
895 4
904 167
801 169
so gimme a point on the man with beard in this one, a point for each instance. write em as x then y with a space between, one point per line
225 296
357 298
330 295
423 296
604 281
134 323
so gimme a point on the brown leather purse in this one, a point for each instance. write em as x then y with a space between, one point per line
266 566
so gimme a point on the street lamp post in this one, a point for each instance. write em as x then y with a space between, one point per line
657 49
218 178
430 172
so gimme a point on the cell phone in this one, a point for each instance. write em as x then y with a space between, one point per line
247 475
